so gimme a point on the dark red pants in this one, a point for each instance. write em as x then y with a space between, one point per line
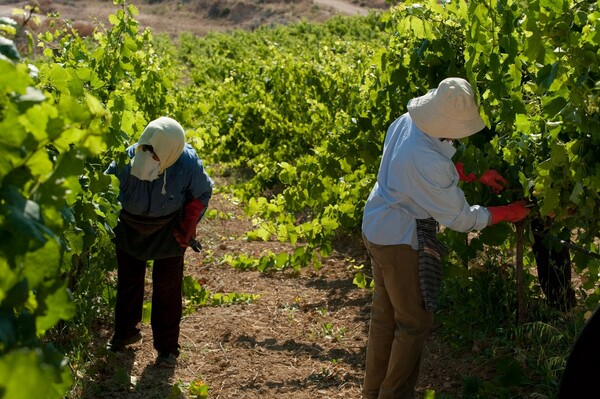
167 276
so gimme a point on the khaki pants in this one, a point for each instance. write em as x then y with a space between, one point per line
399 323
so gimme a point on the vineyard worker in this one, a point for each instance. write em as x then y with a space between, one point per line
164 193
416 189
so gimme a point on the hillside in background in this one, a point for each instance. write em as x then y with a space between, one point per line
200 16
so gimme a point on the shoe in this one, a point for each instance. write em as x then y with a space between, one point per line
166 360
117 345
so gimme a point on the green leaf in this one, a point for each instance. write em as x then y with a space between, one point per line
429 394
576 194
198 389
42 264
547 75
558 155
39 163
113 19
497 234
282 260
554 5
27 373
263 233
94 105
74 241
360 280
523 123
35 121
55 303
8 280
550 201
146 312
329 224
16 295
59 78
14 78
70 163
287 175
175 392
25 218
554 105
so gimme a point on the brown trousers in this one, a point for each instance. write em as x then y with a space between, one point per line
399 323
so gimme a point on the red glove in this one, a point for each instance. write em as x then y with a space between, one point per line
461 173
494 180
191 215
509 213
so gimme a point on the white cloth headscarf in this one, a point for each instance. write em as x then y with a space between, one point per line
167 137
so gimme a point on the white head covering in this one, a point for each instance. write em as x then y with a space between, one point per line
167 137
448 111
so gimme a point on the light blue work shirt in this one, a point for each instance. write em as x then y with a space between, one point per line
185 180
416 180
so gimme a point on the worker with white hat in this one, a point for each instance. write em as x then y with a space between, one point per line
417 188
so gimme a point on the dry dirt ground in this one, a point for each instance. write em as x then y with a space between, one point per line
303 338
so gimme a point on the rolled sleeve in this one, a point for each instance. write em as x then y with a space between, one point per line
436 191
416 180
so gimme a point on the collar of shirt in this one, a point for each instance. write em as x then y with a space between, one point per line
446 148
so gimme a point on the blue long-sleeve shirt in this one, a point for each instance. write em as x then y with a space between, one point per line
183 181
416 180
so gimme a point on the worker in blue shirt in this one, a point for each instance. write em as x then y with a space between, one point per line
417 188
164 191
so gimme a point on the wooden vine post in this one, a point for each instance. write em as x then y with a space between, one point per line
521 304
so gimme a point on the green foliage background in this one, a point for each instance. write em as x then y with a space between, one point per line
299 114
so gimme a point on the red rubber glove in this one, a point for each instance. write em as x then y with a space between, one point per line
509 213
494 180
460 168
191 216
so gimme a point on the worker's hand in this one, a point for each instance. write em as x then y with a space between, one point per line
192 211
493 180
182 237
513 212
460 168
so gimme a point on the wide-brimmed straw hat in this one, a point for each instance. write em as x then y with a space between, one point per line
448 111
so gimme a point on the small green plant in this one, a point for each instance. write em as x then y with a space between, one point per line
196 295
198 389
361 280
429 394
232 298
333 333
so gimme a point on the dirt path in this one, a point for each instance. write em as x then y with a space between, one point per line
343 7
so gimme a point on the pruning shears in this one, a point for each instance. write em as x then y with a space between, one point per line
195 244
